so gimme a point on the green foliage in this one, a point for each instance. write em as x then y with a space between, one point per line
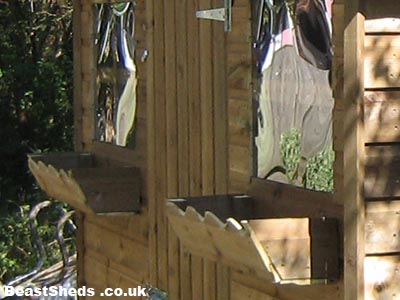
319 171
36 116
18 252
290 152
35 88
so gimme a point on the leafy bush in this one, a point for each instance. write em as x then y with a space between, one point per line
36 114
319 171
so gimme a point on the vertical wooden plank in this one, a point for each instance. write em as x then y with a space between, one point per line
173 264
210 280
353 153
80 248
151 130
220 105
223 282
195 176
185 272
170 91
77 44
182 95
197 278
160 143
78 146
88 75
207 111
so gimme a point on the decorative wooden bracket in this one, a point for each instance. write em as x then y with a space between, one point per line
74 179
285 250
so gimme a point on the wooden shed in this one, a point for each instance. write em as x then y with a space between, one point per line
168 176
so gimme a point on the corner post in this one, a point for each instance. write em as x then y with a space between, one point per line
353 152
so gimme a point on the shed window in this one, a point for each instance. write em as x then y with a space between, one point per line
294 102
116 78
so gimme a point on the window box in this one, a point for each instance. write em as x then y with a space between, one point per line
76 179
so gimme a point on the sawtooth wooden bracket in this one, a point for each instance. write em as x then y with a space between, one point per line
283 250
75 179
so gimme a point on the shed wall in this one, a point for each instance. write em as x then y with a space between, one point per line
194 138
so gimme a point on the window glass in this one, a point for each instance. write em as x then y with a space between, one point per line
116 78
294 100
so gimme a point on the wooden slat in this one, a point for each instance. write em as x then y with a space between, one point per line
207 103
151 143
382 277
241 292
220 105
88 83
134 227
160 144
223 282
77 43
239 74
280 200
185 274
239 113
171 99
382 61
382 116
287 244
353 153
382 177
382 227
210 280
118 249
384 25
173 264
182 121
197 278
195 171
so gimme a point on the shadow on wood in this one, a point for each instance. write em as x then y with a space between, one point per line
284 250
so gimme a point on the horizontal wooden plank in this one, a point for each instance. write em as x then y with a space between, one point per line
134 227
275 199
331 291
382 178
382 61
382 277
300 248
384 25
382 116
119 249
100 275
241 292
386 152
382 229
382 232
101 260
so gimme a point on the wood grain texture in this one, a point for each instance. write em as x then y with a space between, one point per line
382 277
382 229
151 144
353 156
220 104
160 144
382 61
382 116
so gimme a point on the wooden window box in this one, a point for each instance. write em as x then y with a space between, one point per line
300 250
76 179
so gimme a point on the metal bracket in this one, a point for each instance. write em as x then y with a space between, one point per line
223 14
